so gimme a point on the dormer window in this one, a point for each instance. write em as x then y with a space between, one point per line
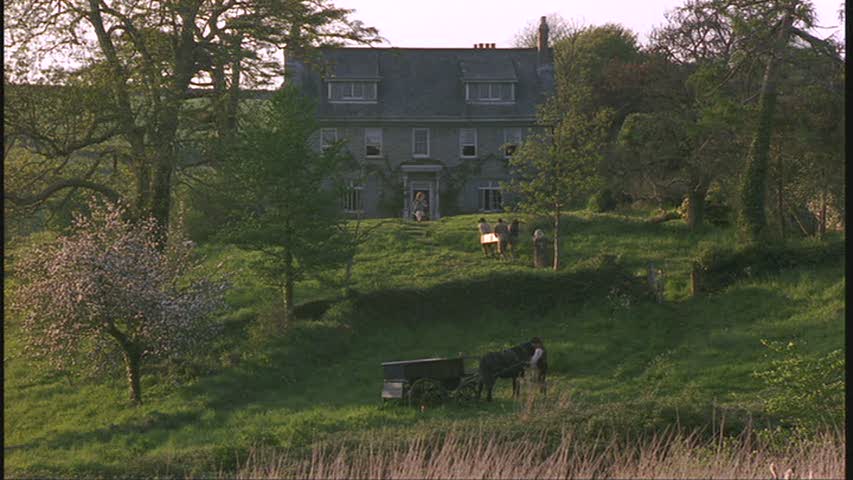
351 91
490 92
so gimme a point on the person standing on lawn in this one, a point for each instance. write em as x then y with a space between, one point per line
484 228
502 232
512 237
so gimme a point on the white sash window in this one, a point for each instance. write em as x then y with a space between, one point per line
373 142
467 142
512 139
420 142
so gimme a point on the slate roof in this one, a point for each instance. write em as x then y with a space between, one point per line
426 83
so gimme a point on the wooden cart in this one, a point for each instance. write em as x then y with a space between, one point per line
429 380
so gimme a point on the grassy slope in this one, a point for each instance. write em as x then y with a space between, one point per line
643 365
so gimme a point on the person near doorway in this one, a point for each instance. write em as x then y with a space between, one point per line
502 232
420 207
484 228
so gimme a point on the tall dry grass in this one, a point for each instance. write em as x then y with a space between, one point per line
566 453
456 455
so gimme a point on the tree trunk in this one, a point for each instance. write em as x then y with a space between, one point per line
821 229
132 354
132 364
234 90
557 239
348 274
696 206
780 200
287 291
161 197
752 219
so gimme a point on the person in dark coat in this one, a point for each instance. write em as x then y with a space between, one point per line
512 237
502 232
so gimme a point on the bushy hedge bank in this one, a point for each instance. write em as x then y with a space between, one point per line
720 266
536 292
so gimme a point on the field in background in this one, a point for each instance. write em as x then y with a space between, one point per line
639 367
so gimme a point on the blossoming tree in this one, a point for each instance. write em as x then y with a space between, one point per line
106 293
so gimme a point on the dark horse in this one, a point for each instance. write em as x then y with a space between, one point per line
509 363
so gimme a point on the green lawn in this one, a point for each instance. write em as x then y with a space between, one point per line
644 365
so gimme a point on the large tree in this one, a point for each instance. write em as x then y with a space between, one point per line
552 169
280 196
750 40
599 67
108 293
687 141
140 63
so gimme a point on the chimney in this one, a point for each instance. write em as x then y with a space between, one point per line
544 50
493 46
545 66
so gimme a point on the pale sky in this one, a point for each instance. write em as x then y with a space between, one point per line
462 23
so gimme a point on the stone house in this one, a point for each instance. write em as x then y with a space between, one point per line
442 121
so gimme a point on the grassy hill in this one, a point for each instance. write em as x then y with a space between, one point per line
618 361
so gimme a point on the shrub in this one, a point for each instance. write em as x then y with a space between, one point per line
717 210
805 391
602 201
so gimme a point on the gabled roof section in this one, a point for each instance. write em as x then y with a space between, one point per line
360 64
427 83
486 70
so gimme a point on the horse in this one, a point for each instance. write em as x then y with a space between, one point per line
509 363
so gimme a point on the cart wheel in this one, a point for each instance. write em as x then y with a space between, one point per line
467 392
426 391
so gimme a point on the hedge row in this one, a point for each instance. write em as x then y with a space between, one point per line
721 266
534 292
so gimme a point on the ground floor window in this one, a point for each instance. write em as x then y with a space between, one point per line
352 199
490 198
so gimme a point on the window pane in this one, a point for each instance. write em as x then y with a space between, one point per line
490 198
506 91
328 136
357 90
370 91
421 140
512 135
483 91
469 151
373 136
351 200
